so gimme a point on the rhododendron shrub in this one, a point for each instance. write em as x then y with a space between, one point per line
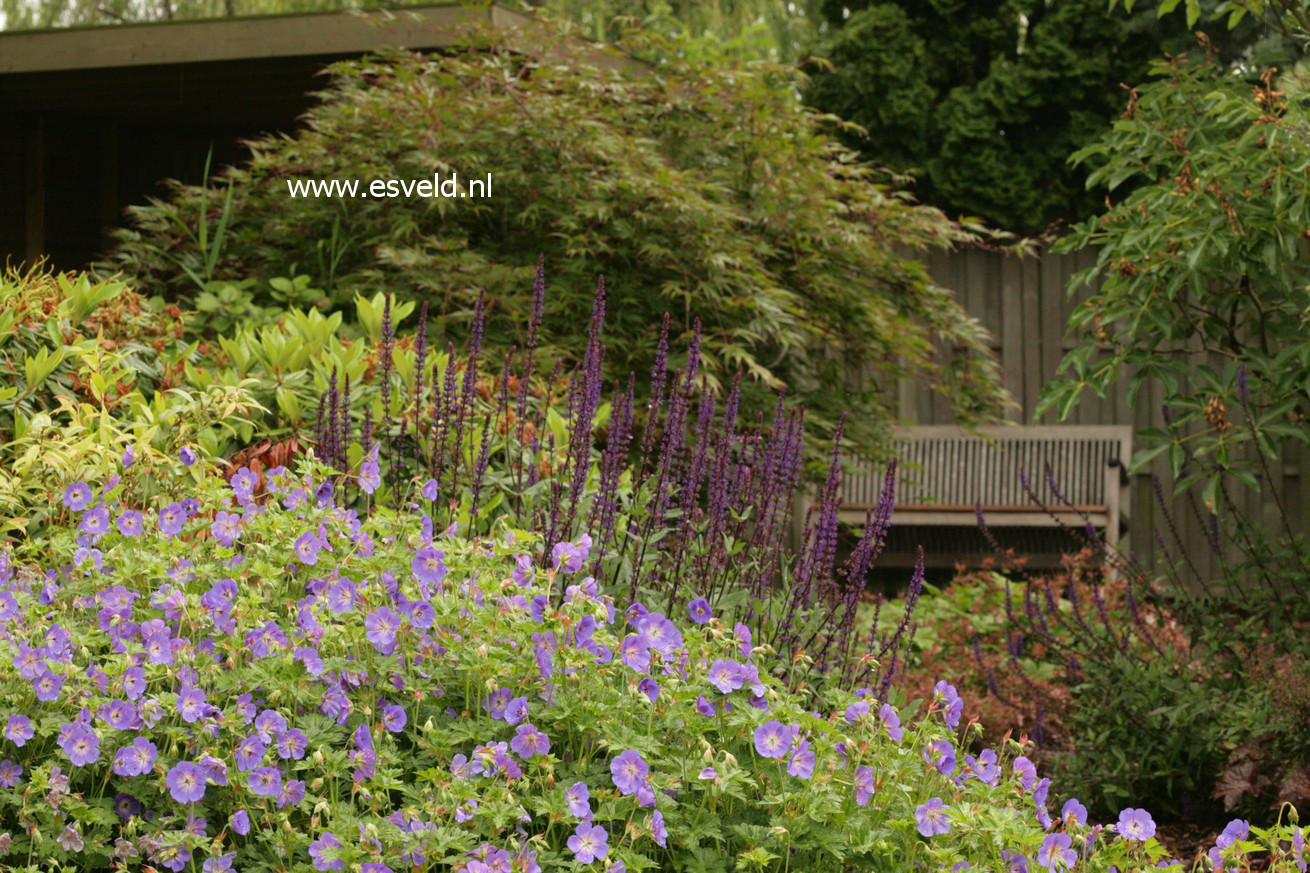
298 688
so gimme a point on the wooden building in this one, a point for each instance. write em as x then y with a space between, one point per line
92 118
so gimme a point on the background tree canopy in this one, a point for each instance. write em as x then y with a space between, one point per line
768 29
704 190
984 101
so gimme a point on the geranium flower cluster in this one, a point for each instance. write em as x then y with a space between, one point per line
270 682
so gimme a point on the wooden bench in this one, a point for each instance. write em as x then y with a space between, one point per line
944 472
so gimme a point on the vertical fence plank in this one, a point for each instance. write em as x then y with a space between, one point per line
1011 297
1053 322
1030 335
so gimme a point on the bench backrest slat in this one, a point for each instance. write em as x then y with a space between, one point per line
948 465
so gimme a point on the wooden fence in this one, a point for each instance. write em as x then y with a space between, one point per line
1024 305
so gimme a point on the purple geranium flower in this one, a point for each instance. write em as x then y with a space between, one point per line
891 721
945 695
744 641
186 782
1056 852
250 753
226 528
700 610
650 688
497 701
986 768
1235 831
71 839
10 773
159 646
136 759
660 634
134 682
243 484
370 473
725 675
80 744
321 849
529 742
522 570
77 496
240 822
428 565
588 843
568 557
773 739
126 805
266 781
96 521
191 705
645 795
291 794
394 718
129 523
122 716
215 770
628 771
431 489
516 710
218 863
19 730
578 797
941 754
187 456
341 596
801 763
307 548
1074 811
932 818
292 744
270 724
381 628
863 785
658 830
421 614
1136 824
171 519
1027 772
634 653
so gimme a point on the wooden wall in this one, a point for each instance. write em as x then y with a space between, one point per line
1024 305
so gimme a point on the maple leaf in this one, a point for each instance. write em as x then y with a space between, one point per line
1234 782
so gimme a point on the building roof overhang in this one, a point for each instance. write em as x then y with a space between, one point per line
271 36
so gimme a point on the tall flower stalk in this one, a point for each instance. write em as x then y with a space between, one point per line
679 502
